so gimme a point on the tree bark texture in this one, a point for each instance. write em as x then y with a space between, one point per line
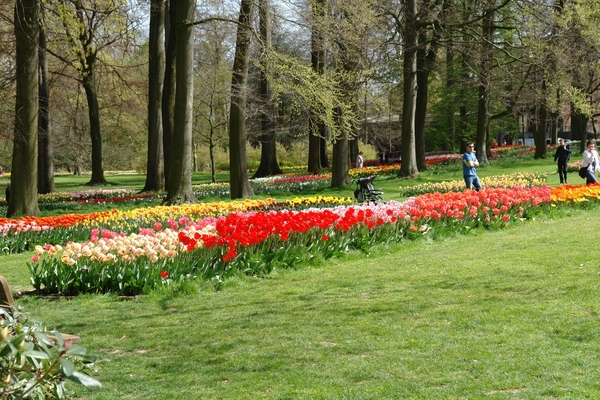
239 184
420 116
540 138
324 131
316 129
168 95
341 163
180 174
429 43
268 151
24 194
409 168
89 85
314 149
579 127
45 163
155 178
485 74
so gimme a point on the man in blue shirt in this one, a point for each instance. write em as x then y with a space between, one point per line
469 164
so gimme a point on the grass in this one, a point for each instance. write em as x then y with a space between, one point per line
494 314
502 314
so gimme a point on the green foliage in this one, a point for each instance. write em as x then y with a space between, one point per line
320 96
143 276
447 127
34 365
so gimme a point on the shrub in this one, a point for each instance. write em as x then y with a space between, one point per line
35 365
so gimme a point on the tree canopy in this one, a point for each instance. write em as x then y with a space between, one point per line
321 73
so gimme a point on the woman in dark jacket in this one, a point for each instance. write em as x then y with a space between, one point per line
563 155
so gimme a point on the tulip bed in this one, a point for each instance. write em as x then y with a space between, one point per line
524 179
19 235
253 238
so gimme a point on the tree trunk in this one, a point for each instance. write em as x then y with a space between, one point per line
268 151
420 115
45 163
180 173
579 127
323 146
341 163
317 56
409 168
155 178
168 95
88 84
353 147
239 184
426 62
540 138
451 141
24 195
482 121
485 73
211 149
554 127
463 123
314 149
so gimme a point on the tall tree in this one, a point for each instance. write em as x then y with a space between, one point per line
430 32
541 123
88 28
45 163
562 42
409 168
179 187
23 198
212 91
268 156
317 129
485 76
155 179
350 36
168 94
239 184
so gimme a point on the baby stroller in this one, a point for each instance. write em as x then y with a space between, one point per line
365 190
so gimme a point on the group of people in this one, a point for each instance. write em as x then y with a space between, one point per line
591 163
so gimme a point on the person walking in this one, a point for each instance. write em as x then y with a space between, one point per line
591 162
384 159
359 160
469 172
563 155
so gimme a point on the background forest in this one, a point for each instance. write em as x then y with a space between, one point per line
167 87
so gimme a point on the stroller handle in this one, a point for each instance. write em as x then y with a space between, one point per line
366 179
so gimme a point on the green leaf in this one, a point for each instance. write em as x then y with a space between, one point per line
76 350
83 379
6 350
17 340
67 367
36 354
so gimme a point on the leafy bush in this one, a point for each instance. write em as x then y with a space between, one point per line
35 365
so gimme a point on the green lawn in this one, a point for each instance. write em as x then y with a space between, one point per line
509 314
